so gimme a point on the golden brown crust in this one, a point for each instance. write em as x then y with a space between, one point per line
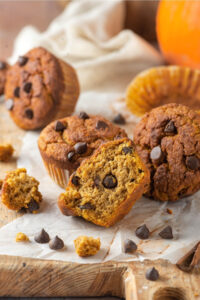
3 71
42 88
175 130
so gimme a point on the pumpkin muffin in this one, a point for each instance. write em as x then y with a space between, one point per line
6 152
168 141
40 88
87 246
63 144
3 71
106 185
20 191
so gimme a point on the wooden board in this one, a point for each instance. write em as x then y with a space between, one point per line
33 277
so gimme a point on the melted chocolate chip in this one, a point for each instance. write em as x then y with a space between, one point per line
170 128
27 87
142 232
33 206
192 162
110 181
80 147
101 125
2 65
119 119
156 154
87 205
59 126
166 233
127 150
83 115
152 274
75 180
17 92
22 60
29 113
9 104
42 237
70 156
56 243
129 246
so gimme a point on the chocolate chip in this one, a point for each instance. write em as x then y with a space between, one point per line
27 87
192 162
83 115
70 155
152 274
56 243
2 65
29 113
17 92
132 180
101 125
97 181
170 128
75 180
129 246
110 181
80 147
87 206
119 119
127 150
156 154
9 104
166 233
142 232
59 126
33 206
140 171
22 60
42 237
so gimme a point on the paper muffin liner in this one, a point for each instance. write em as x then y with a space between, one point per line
59 175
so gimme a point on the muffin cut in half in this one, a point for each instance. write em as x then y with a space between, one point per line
106 185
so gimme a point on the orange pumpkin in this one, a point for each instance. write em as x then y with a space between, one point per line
178 31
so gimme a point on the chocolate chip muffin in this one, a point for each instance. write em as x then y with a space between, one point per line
3 71
40 88
20 191
63 144
106 185
168 141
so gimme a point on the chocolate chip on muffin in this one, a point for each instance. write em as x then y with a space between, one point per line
101 125
59 126
75 180
29 113
193 162
17 92
170 128
71 155
2 65
110 181
87 205
27 87
80 147
83 115
22 60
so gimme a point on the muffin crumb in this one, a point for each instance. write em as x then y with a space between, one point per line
21 237
6 152
87 246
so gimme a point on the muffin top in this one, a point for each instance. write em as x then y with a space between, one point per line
32 89
3 71
168 141
68 141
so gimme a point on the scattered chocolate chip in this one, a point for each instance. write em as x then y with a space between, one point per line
129 246
166 233
2 65
75 180
101 125
142 232
70 156
56 243
152 274
9 104
192 162
110 181
170 128
59 126
119 119
83 115
87 206
33 206
29 113
17 92
27 87
97 181
24 264
80 147
42 237
22 60
156 154
127 150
